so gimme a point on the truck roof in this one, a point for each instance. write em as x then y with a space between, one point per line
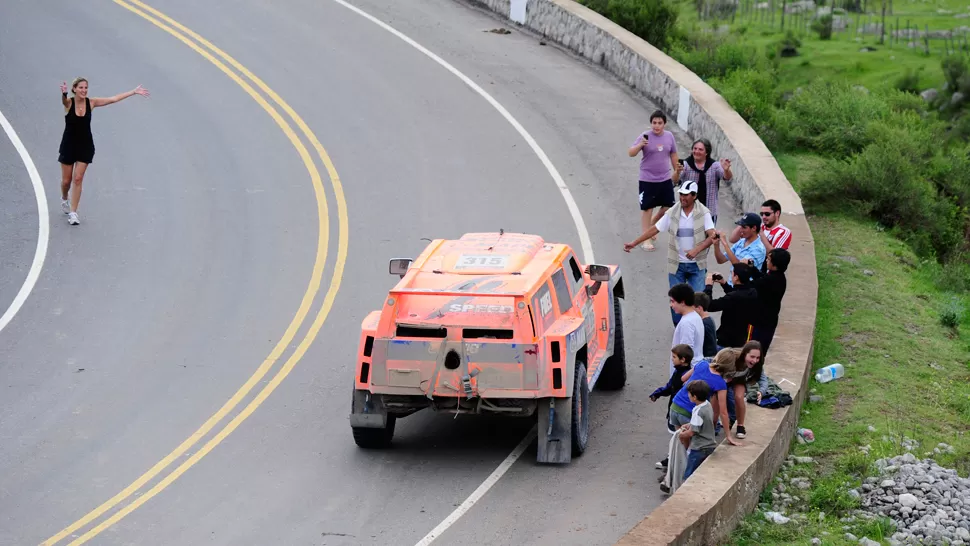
486 264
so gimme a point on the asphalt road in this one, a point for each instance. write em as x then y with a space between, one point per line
198 239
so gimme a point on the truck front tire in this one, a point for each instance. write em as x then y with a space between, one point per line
613 376
580 410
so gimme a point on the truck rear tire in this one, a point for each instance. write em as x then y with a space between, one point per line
375 438
580 410
613 376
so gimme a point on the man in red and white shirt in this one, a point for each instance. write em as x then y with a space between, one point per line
773 233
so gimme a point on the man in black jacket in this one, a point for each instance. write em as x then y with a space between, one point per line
738 306
770 290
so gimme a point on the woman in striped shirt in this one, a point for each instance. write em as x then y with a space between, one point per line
700 168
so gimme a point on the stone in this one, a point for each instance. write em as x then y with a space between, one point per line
887 483
776 518
908 458
929 95
962 533
851 537
815 398
872 428
866 541
908 500
816 542
804 460
854 494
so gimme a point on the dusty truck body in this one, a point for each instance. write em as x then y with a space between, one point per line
492 323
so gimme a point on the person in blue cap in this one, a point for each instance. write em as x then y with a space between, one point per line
749 247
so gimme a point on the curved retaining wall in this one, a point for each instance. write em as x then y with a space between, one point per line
726 487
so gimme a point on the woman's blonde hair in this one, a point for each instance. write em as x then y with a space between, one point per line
725 360
76 81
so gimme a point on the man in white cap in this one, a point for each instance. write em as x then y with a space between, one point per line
690 239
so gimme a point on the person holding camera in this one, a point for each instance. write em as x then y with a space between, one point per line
738 306
749 249
770 288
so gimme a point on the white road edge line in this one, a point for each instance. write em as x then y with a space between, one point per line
573 211
43 230
480 491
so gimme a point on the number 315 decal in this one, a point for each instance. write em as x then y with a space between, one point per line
466 261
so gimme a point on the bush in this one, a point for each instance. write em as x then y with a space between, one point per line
653 20
888 181
788 46
823 26
909 81
901 101
830 119
955 273
716 57
951 314
751 93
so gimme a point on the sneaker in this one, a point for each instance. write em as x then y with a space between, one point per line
66 206
665 489
662 464
740 432
73 219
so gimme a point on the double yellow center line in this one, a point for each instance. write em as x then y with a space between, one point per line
203 47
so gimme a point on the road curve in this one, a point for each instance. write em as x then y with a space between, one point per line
198 238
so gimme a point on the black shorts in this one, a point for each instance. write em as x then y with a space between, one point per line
70 157
656 194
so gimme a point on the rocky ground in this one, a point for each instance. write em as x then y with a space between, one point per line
923 502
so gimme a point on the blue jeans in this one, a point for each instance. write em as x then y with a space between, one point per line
690 274
694 459
732 411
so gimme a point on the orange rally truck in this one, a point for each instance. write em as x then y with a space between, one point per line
501 323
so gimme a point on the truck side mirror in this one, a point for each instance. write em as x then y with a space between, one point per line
399 266
599 273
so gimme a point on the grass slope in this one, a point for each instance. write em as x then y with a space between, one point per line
842 56
879 314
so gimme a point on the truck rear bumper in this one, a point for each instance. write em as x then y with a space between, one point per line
405 403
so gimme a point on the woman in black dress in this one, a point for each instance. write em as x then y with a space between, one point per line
77 144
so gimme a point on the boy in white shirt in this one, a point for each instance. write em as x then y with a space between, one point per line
690 328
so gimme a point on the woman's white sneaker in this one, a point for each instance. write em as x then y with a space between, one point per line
66 206
73 219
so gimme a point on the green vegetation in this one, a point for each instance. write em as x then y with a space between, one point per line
884 174
882 315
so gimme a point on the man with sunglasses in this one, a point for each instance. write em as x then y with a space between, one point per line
774 234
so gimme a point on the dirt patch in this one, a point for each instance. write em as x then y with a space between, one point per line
907 262
852 340
843 405
911 328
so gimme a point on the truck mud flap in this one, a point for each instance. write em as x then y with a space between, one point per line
555 431
367 411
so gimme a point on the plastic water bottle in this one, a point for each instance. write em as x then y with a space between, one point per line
829 373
